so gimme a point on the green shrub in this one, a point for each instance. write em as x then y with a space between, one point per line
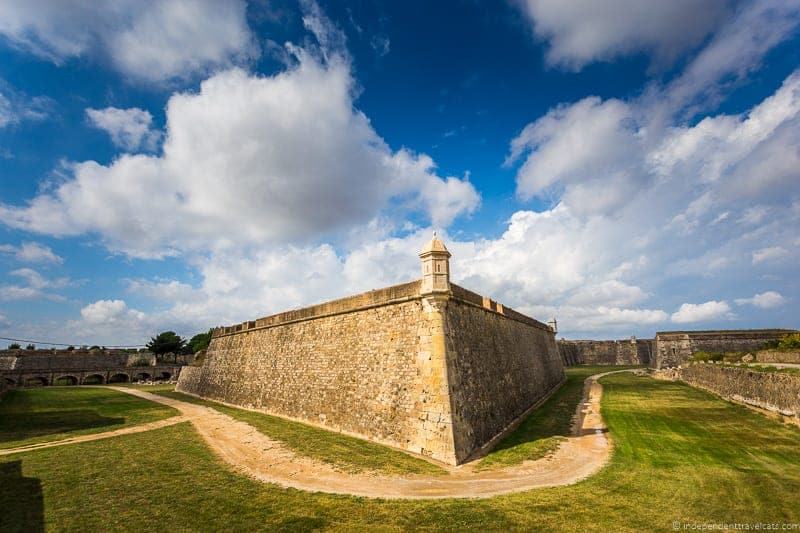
790 342
707 356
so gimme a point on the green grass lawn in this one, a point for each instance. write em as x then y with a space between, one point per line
30 416
343 451
537 436
540 433
766 367
680 455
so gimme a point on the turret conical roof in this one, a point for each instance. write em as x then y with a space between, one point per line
434 245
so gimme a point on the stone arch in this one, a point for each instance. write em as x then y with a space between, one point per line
164 376
94 379
119 378
142 376
10 382
65 380
35 381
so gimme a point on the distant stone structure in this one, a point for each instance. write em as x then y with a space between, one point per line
426 366
672 348
22 368
631 351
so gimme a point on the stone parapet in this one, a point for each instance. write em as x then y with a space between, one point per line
366 300
614 352
777 356
772 391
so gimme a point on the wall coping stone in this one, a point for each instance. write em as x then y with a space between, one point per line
370 300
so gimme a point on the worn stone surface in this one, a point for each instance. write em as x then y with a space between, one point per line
773 391
615 352
370 372
777 356
388 366
673 348
498 367
45 367
426 366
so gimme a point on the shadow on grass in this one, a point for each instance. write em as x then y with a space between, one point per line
25 425
21 500
542 431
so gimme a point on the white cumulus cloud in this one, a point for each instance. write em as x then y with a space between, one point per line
35 286
130 129
712 310
150 40
584 31
249 160
764 300
109 311
31 252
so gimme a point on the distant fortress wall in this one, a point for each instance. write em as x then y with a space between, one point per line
72 359
672 348
426 366
631 351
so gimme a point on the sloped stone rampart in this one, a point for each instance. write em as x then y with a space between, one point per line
774 391
498 368
613 352
389 366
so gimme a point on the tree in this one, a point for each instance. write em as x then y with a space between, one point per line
166 342
30 347
200 341
14 346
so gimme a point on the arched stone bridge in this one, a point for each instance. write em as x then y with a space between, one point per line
90 376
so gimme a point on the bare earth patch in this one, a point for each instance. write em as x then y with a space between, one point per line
97 436
254 454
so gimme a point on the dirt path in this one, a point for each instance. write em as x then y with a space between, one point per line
256 455
97 436
776 365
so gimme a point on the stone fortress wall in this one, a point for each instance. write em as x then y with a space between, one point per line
426 366
772 391
673 348
631 351
19 368
502 362
71 359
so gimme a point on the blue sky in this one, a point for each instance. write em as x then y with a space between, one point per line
622 165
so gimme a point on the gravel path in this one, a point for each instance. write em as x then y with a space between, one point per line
98 436
254 454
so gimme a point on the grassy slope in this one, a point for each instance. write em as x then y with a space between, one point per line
29 416
347 453
540 433
681 454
